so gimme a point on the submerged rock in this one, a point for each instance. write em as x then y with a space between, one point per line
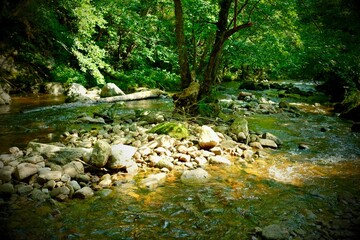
195 176
275 232
153 180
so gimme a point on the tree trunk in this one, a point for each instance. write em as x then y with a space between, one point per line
185 73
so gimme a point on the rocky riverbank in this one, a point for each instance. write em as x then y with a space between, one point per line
86 161
147 148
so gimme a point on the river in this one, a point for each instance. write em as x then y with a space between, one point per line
313 193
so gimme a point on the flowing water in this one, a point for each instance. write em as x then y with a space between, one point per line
312 192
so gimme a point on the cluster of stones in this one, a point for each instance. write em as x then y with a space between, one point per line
87 161
247 103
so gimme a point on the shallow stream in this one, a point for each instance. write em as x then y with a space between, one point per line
313 193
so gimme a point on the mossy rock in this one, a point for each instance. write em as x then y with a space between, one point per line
173 129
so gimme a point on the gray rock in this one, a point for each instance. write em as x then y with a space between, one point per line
24 189
165 162
275 232
39 195
110 90
75 185
45 176
34 159
268 143
15 151
248 154
24 170
208 137
88 119
5 98
271 136
50 184
54 88
73 169
83 193
7 189
195 176
6 172
152 117
5 158
64 190
100 154
165 141
59 155
105 181
219 160
240 129
77 92
121 156
154 180
65 178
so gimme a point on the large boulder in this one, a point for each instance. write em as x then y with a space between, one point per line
208 137
121 156
59 155
24 170
110 90
54 88
78 93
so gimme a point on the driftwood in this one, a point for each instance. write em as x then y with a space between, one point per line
153 93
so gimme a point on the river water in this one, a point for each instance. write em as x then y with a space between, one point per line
313 193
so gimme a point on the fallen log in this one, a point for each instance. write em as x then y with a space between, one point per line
153 93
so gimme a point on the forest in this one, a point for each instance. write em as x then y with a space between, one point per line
168 44
230 119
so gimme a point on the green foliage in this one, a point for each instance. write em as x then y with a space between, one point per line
132 42
67 75
173 129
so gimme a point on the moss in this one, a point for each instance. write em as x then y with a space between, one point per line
352 99
173 129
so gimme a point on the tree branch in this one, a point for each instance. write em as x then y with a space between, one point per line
236 29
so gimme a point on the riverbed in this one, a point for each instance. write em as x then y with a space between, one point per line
311 193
